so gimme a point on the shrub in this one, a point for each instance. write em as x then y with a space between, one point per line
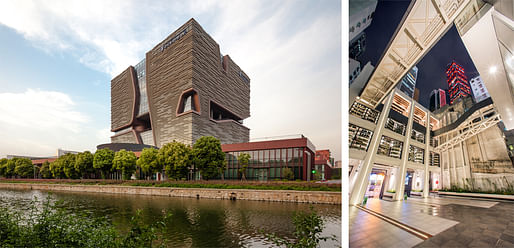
52 226
308 228
287 173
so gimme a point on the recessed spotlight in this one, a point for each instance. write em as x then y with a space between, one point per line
492 69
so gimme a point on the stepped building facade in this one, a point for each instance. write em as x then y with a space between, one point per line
182 90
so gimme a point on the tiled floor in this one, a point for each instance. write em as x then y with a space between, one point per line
452 200
452 222
367 230
420 216
478 227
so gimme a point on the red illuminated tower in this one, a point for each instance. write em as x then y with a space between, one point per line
457 82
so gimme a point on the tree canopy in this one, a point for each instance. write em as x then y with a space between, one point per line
208 157
126 162
244 159
23 167
45 170
103 161
84 163
175 158
148 161
68 165
3 167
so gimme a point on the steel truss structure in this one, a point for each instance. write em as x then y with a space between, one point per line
425 22
467 130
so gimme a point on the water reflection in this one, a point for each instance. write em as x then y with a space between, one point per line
195 222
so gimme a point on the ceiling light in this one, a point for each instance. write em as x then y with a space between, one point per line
492 69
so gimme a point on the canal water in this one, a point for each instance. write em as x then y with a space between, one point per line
194 222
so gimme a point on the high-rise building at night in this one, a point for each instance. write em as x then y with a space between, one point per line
437 99
416 95
457 82
361 14
355 69
408 82
357 46
480 92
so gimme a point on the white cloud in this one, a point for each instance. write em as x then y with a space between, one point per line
41 110
37 122
290 50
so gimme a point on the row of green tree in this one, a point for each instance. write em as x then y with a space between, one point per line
175 158
21 167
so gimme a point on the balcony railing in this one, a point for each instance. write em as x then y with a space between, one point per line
434 142
435 159
418 136
359 137
390 147
395 126
416 154
365 113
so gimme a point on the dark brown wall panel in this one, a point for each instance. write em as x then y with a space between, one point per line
122 99
188 58
169 72
219 82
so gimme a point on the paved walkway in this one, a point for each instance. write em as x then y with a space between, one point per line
447 222
367 230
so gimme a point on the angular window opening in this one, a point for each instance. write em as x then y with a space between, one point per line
188 102
219 113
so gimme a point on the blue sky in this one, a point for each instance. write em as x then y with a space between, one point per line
57 59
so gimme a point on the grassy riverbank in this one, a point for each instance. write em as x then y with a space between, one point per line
213 184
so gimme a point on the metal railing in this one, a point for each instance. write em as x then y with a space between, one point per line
364 112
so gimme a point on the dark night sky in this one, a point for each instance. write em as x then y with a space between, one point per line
431 73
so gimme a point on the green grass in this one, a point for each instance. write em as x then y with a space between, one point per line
255 185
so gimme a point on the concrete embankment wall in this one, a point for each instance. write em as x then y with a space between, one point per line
323 197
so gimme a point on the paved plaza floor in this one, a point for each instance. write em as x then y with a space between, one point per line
432 222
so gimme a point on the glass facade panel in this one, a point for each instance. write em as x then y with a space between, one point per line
283 155
266 157
434 159
416 154
390 147
261 158
290 156
418 136
267 164
364 112
395 126
147 137
140 69
359 138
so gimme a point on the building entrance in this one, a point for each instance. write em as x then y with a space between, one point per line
376 183
408 182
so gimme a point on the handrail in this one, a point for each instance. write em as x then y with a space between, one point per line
463 117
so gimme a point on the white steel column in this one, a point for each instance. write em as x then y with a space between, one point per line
465 171
400 175
362 179
427 156
455 180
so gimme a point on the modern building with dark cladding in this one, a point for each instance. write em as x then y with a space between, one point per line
184 89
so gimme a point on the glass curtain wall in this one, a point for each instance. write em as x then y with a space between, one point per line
140 69
266 164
